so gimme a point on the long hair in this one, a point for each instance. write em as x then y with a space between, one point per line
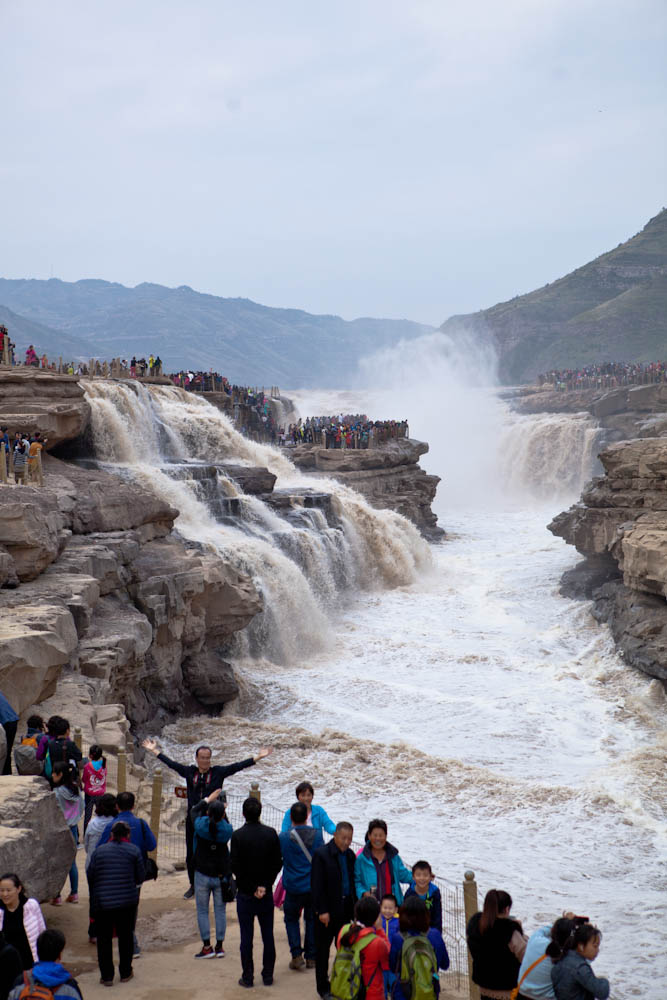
495 901
580 935
70 776
366 912
560 932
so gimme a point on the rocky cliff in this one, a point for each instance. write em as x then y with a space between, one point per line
389 477
620 526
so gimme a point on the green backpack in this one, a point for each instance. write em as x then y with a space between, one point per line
419 969
346 980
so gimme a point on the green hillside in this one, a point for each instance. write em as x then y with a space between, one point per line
613 308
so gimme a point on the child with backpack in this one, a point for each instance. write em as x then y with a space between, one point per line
417 953
94 780
363 955
57 746
48 977
65 783
422 886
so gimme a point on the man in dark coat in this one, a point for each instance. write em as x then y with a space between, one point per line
256 859
201 779
333 897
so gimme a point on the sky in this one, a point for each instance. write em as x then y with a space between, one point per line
407 159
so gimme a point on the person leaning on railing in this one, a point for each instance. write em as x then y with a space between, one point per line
201 779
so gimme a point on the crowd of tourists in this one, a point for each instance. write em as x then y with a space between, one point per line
21 456
609 375
344 431
383 918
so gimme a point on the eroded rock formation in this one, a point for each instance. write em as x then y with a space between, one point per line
620 526
35 400
389 477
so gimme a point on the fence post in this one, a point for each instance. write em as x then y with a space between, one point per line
156 806
60 366
254 792
122 770
3 463
471 907
78 736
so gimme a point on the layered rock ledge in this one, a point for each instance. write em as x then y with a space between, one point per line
620 526
389 477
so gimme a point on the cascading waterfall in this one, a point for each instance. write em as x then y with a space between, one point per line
547 454
162 435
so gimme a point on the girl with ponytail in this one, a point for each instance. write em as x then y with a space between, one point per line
497 945
571 973
375 954
212 832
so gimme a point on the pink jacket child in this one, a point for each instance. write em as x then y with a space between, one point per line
94 780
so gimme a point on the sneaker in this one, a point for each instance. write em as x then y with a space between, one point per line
57 901
206 952
73 897
310 963
298 962
189 893
219 951
246 986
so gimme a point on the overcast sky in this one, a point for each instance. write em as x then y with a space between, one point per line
411 159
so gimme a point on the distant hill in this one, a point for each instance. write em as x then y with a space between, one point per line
54 343
250 343
614 308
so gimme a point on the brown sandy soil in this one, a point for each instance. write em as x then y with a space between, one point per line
168 935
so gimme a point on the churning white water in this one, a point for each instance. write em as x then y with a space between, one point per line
485 717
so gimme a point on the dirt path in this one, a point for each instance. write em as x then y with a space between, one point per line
167 970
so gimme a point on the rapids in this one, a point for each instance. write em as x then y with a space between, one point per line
489 720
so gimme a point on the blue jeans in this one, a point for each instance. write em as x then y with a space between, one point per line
74 871
204 886
292 906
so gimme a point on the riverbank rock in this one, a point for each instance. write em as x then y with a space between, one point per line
620 526
36 841
35 400
389 477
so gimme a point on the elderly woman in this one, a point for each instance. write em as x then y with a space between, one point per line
21 919
379 868
317 817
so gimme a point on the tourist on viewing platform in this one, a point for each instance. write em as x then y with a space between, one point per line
571 973
415 938
9 721
535 972
94 780
48 973
115 873
379 868
212 871
315 815
20 463
35 449
21 919
497 945
366 937
427 890
201 779
4 439
297 845
256 860
334 897
31 358
65 784
57 745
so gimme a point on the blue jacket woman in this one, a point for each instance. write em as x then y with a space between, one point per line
317 817
379 868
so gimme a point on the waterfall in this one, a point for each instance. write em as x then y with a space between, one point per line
299 556
548 454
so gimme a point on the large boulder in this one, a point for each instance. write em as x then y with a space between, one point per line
33 400
36 841
32 528
36 641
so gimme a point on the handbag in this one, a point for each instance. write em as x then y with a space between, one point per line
151 869
517 989
228 886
